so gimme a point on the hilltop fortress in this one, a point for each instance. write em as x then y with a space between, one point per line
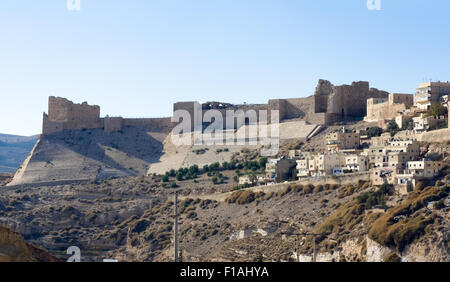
328 105
65 115
77 144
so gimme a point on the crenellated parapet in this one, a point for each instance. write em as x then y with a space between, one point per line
66 115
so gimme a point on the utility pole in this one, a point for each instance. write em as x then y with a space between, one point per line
314 247
175 229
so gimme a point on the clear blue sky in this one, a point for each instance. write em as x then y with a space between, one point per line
135 58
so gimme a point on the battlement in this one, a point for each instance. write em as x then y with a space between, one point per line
63 114
328 104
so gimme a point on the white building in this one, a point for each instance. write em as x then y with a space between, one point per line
356 162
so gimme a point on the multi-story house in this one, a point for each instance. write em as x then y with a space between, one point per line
356 163
424 123
415 171
343 139
321 165
430 93
280 170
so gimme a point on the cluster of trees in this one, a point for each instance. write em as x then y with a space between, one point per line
234 165
217 178
213 170
376 131
182 173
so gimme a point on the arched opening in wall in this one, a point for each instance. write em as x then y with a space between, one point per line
247 121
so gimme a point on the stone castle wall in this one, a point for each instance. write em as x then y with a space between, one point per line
387 109
328 105
222 108
351 100
66 115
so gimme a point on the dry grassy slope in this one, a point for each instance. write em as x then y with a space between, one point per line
131 219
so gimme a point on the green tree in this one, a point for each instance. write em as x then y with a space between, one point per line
437 110
392 127
374 131
262 162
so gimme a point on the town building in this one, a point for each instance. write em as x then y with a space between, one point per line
355 163
281 169
382 140
430 93
298 154
424 123
325 164
247 180
379 109
343 139
381 175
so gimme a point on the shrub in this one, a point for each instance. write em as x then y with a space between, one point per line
375 198
307 189
394 231
374 131
392 257
318 189
419 186
439 204
392 127
436 110
243 197
345 217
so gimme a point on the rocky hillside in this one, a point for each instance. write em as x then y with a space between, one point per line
130 219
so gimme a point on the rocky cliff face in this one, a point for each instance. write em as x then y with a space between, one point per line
13 248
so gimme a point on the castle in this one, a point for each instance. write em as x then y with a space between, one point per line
66 115
328 105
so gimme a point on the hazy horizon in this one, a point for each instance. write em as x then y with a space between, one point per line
136 58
